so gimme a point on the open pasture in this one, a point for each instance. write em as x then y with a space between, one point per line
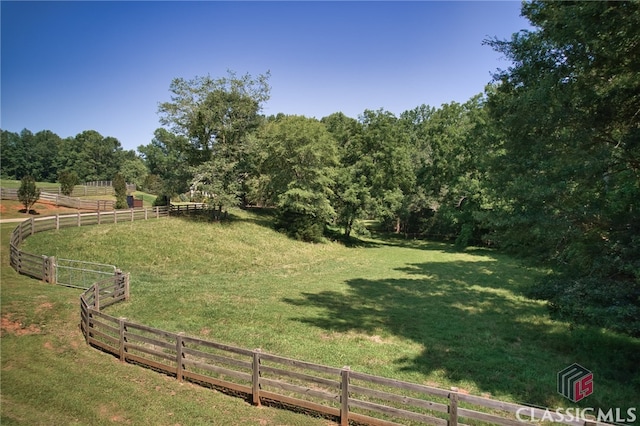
412 310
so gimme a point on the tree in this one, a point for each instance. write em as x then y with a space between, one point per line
384 159
68 180
217 116
167 158
298 160
448 151
28 193
351 192
13 162
92 156
42 155
567 177
133 169
120 188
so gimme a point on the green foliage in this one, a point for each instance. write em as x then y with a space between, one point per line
44 155
300 226
162 200
28 193
152 184
120 188
167 161
29 154
598 301
298 160
216 116
351 191
384 159
68 180
133 169
565 173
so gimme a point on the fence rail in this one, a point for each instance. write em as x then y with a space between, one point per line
62 200
45 267
339 393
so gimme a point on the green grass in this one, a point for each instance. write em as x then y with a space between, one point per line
49 376
15 184
413 310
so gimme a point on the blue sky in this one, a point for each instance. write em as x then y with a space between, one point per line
105 66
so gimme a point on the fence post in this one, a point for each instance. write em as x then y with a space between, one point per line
45 262
96 297
344 396
122 340
453 407
157 212
98 215
179 356
255 377
115 216
49 269
79 220
132 215
33 228
146 213
126 286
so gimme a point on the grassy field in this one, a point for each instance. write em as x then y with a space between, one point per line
412 310
49 376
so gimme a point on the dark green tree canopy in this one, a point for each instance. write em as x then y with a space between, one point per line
567 173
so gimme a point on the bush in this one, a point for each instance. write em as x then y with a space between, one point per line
300 226
120 188
68 180
162 200
28 193
603 302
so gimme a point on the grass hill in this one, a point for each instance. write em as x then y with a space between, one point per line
407 309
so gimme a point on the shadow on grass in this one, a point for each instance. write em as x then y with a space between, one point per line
474 326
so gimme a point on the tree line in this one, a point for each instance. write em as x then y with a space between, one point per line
544 164
46 157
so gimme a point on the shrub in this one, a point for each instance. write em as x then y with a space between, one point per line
28 193
68 180
300 226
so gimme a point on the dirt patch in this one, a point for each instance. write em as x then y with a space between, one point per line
11 209
9 326
44 307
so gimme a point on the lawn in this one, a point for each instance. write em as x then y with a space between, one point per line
413 310
49 376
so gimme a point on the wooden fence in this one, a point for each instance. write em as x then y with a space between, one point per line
338 393
63 200
43 267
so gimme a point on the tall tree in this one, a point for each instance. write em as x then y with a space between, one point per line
385 161
217 116
42 154
133 169
14 163
298 160
352 193
167 158
448 160
569 174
